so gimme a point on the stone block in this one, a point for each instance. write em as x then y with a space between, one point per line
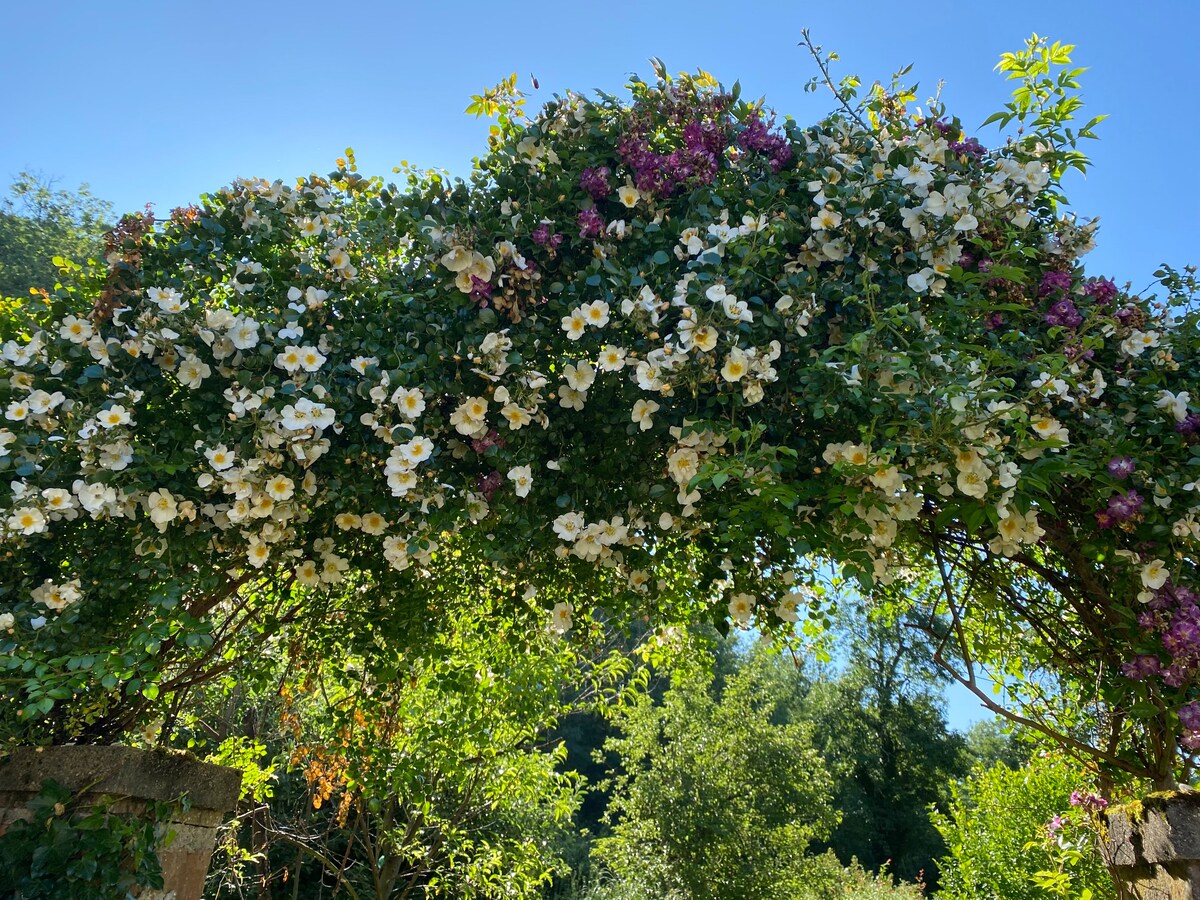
133 777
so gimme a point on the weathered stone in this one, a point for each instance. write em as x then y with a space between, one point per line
1153 847
133 777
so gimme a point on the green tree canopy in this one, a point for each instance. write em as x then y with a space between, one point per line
881 728
716 801
39 222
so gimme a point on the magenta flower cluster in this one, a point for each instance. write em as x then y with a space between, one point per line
1089 800
1121 508
492 439
757 135
969 147
1173 614
1075 352
1103 291
1056 284
489 484
1141 667
1189 718
1190 425
591 224
706 137
664 173
544 237
1064 312
481 289
595 182
1054 826
1121 467
1055 281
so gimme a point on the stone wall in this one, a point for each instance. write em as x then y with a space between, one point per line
132 777
1153 847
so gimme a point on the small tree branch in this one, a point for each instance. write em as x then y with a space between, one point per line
823 65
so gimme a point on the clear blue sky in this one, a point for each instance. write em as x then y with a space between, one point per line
161 100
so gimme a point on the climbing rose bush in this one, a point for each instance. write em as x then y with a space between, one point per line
665 355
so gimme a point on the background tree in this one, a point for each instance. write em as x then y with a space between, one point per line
990 742
39 221
715 800
880 725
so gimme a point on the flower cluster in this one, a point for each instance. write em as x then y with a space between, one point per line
858 343
1090 801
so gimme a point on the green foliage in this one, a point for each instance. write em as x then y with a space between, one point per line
246 754
989 742
1000 847
398 770
715 800
825 879
69 850
831 880
1045 101
881 728
877 722
38 223
505 102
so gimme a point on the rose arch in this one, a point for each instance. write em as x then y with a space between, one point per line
666 356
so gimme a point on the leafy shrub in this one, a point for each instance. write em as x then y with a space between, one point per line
997 831
833 881
74 851
825 879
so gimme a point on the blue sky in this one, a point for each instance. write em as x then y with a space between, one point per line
161 101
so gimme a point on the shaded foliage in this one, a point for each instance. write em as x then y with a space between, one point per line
882 730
